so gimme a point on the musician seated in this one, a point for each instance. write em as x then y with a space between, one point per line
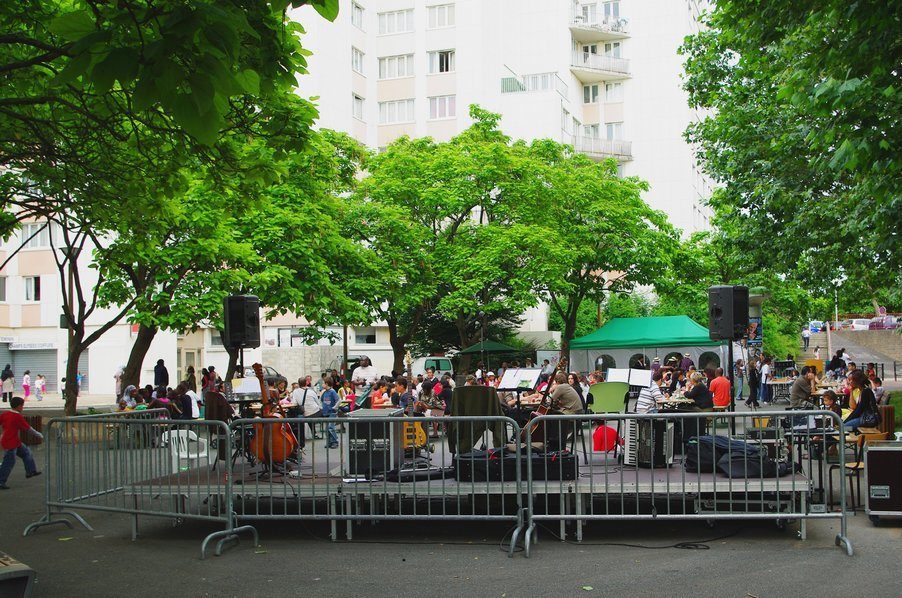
564 401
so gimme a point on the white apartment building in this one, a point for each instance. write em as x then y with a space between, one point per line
601 75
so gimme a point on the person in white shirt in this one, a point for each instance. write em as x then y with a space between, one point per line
195 403
365 376
765 379
307 402
649 397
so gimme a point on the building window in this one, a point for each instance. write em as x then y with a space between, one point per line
365 336
357 106
441 61
215 338
36 235
399 21
400 111
613 92
442 107
590 13
357 60
32 288
611 11
2 289
612 50
590 131
565 121
590 94
589 49
392 67
614 131
357 15
441 16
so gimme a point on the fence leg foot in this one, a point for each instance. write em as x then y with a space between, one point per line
521 521
529 538
48 520
227 537
844 541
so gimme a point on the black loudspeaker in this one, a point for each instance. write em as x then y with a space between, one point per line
728 312
242 321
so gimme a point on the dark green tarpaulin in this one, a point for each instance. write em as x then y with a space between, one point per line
489 347
664 331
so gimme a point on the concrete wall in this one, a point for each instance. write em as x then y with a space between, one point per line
886 342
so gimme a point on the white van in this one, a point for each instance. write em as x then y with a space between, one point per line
441 365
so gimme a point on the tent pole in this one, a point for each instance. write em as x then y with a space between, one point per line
732 387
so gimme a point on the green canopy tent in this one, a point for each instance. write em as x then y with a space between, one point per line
621 341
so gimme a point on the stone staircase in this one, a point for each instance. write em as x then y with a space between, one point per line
818 339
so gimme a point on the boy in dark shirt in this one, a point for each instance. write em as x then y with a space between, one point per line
13 422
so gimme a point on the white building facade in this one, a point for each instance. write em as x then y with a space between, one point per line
601 75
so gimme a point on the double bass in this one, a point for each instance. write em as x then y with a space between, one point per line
273 442
533 431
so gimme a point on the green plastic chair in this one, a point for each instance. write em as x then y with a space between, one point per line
608 397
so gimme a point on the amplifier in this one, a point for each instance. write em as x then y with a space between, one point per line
648 443
883 466
372 447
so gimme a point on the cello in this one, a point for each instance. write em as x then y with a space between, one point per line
273 443
533 431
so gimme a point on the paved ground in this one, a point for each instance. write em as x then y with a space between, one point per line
751 559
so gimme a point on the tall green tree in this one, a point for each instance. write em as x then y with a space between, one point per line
802 131
605 238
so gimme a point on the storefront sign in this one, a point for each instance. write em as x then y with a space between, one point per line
8 339
31 346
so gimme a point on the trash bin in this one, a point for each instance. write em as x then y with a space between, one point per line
16 579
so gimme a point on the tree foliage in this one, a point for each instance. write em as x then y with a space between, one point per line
803 104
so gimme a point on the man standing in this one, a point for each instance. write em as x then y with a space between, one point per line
160 374
720 388
806 337
13 422
764 380
655 365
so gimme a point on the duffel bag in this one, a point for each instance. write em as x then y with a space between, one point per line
554 466
704 452
493 465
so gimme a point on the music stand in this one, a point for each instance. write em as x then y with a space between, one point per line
519 380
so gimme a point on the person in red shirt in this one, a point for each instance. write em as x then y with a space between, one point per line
720 388
14 422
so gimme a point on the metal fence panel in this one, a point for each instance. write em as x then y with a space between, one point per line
664 470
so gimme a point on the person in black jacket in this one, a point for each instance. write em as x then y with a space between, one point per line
867 402
699 392
160 374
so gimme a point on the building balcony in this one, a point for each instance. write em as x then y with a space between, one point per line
536 82
594 68
601 149
597 29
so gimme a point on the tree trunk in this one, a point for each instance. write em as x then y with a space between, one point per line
398 346
132 374
70 391
566 336
233 363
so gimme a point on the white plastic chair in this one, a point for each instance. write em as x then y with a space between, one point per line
180 448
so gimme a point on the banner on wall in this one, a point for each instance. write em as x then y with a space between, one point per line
755 332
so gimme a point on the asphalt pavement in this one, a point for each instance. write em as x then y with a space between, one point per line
461 559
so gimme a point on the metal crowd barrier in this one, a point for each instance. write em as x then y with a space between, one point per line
380 469
142 463
779 465
391 469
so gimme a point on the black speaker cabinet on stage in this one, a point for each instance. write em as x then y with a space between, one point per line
372 447
728 312
242 321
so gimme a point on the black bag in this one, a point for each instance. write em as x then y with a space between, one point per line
754 466
493 465
554 466
704 452
870 419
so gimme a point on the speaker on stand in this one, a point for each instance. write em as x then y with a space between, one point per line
241 315
728 320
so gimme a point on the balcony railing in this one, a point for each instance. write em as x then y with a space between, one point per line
601 23
600 63
602 148
534 82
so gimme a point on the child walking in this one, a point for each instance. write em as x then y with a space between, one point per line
40 386
14 422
